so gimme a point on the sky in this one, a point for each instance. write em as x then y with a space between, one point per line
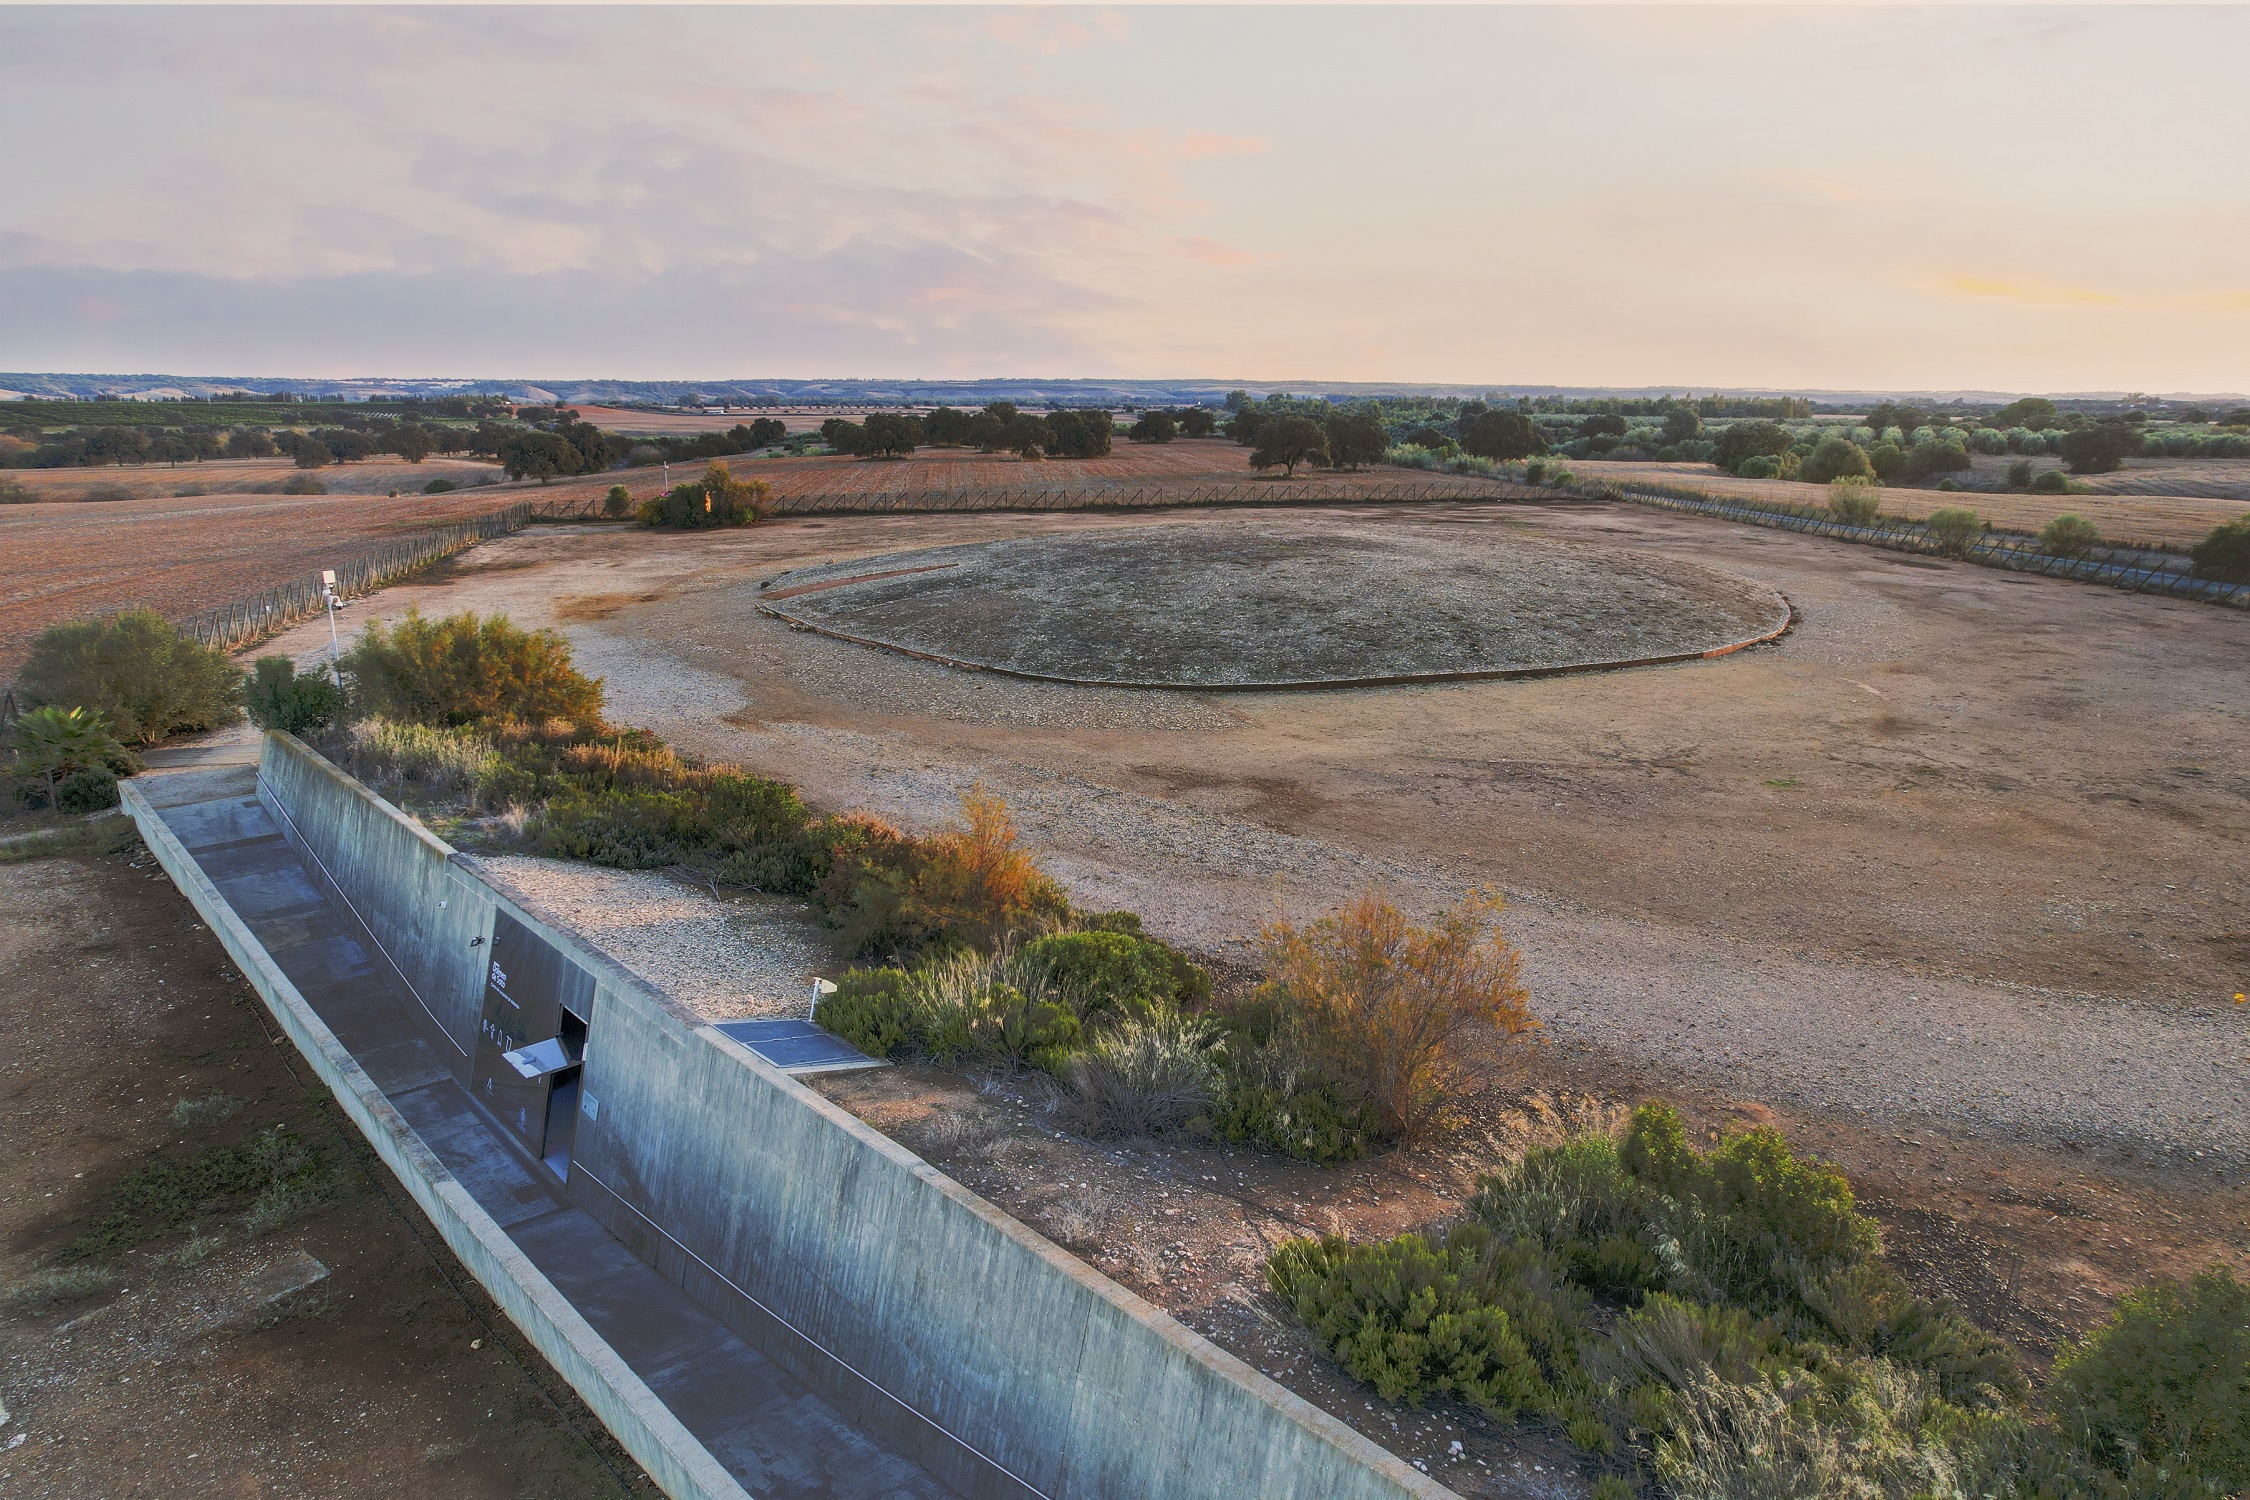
1801 198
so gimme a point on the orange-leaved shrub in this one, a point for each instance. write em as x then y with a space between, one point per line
1395 1008
974 885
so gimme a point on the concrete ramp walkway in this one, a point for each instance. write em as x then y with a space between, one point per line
764 1428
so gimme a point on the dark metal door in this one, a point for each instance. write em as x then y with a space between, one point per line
528 989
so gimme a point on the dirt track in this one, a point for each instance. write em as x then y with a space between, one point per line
1964 844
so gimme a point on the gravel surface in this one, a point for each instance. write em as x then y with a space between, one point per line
1906 779
1297 602
749 956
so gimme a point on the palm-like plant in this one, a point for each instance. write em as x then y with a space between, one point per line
55 741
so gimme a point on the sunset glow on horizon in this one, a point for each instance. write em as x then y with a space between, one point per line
2010 200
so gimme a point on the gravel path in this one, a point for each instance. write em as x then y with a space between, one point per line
727 959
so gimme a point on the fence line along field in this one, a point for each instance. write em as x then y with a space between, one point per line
182 555
2173 520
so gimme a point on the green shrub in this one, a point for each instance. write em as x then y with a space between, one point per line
1465 1313
1953 531
2099 449
146 679
278 698
1854 500
439 487
718 499
90 790
2051 482
874 1010
2165 1383
1836 458
1109 972
1988 440
1744 440
1888 461
1742 1224
638 808
1936 456
2070 535
2019 474
957 1007
2225 553
303 484
67 759
1758 466
464 669
618 502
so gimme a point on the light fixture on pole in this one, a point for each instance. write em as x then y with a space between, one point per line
335 642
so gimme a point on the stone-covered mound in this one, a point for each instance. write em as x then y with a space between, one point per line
1279 605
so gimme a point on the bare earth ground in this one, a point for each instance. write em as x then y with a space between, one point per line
184 553
179 555
1949 882
2170 501
1278 602
391 1374
1963 843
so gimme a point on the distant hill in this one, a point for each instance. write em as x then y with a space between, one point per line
861 393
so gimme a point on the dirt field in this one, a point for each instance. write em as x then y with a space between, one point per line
1184 606
1962 844
244 476
343 1354
181 555
2170 501
1948 882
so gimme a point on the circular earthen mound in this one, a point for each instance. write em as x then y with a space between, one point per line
1261 605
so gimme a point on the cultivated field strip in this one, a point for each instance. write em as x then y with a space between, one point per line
247 621
1122 495
2133 569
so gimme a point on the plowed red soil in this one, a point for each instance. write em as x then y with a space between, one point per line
180 555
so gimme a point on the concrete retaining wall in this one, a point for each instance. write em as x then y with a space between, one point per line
427 918
952 1332
646 1428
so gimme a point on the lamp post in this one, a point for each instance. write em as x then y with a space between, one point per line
335 641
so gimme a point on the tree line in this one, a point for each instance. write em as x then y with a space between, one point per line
998 428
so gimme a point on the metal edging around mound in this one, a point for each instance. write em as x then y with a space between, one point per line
1304 685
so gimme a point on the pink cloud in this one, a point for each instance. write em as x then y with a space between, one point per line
1216 252
1204 143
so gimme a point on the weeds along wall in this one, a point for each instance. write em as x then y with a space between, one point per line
945 1328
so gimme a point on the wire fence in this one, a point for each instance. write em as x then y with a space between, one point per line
2139 570
244 622
1110 494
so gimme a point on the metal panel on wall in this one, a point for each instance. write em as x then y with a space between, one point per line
527 988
